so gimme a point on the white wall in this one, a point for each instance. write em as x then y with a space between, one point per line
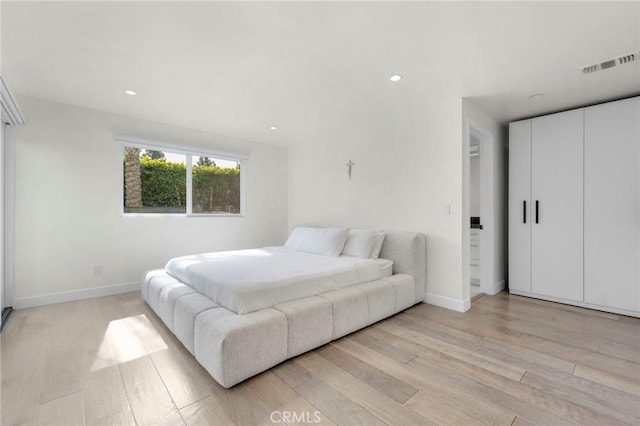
67 203
68 195
401 181
472 114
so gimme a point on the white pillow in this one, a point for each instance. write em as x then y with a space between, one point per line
360 243
324 241
375 253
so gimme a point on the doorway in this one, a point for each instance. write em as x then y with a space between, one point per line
5 307
11 116
481 149
475 224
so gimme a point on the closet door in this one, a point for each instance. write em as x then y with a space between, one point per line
520 206
557 197
612 205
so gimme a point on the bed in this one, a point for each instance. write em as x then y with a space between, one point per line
242 312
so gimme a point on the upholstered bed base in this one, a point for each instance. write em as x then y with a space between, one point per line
234 347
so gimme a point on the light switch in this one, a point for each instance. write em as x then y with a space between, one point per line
446 209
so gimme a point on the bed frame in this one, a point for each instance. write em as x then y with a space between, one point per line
234 347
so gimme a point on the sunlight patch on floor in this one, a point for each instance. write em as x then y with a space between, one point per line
127 339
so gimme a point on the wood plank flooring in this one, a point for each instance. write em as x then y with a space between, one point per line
510 360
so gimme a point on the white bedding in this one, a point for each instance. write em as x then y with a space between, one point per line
244 281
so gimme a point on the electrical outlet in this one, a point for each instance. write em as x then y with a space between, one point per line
96 270
446 209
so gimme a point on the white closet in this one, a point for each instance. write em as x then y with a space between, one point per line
574 207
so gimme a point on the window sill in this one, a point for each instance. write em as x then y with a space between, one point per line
178 215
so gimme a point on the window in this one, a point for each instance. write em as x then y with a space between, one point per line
167 181
215 186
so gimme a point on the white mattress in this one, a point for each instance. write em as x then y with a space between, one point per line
244 281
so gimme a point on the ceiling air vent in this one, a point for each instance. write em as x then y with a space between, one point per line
621 60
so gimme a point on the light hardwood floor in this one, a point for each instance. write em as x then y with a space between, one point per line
509 360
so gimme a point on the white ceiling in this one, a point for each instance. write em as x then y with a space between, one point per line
237 68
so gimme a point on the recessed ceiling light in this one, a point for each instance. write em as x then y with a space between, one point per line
273 127
396 77
536 97
130 92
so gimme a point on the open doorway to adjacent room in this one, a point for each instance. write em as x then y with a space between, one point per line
476 226
481 211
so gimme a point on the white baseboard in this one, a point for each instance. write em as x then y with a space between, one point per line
614 310
577 303
496 288
68 296
447 302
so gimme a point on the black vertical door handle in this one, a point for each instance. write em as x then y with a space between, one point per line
524 211
537 205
